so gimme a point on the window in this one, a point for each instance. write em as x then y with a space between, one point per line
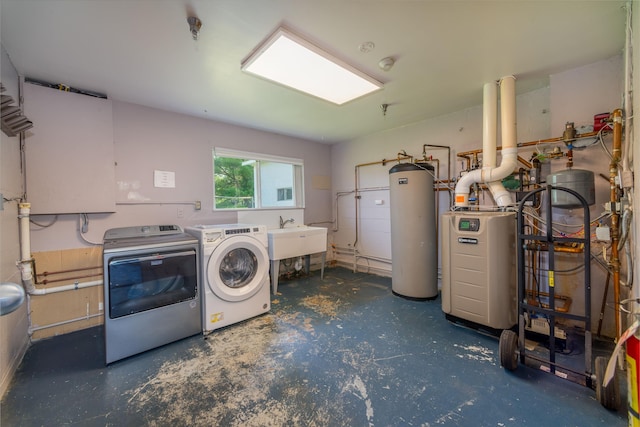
245 180
285 194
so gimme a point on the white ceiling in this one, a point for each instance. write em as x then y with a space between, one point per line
141 51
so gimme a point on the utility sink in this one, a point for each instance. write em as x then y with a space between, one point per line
296 241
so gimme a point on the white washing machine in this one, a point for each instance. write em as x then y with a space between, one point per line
235 273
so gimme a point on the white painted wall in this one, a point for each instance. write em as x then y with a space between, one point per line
13 327
575 95
147 139
461 131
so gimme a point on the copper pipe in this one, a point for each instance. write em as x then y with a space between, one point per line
475 158
68 279
614 230
449 170
51 273
424 146
533 299
530 143
524 162
544 247
437 198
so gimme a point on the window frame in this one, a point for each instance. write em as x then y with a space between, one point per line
297 185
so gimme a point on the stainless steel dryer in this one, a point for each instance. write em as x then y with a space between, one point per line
151 288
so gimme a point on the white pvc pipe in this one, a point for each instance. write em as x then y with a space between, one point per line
508 111
489 124
23 216
627 180
490 174
64 288
25 266
26 270
462 187
509 160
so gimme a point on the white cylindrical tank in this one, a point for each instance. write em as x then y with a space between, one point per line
414 238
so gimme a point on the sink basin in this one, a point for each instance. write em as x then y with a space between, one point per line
296 241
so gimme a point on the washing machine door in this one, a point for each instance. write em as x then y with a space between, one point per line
237 268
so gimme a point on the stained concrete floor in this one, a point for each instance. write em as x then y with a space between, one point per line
343 351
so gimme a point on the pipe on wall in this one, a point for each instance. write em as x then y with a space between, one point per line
614 230
446 147
64 322
64 288
26 261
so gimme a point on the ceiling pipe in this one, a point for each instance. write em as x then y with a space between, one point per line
490 174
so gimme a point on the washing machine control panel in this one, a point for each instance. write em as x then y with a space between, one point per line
211 237
469 224
237 231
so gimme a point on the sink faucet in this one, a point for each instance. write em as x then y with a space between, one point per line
284 222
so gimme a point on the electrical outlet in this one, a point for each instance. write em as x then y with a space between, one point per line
198 205
181 212
100 306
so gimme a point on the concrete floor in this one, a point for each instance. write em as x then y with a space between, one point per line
343 351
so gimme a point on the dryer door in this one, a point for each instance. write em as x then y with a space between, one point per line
237 268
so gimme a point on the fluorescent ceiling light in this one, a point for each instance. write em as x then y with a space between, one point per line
294 62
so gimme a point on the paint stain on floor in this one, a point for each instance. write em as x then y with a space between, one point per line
231 373
475 352
246 374
332 352
323 305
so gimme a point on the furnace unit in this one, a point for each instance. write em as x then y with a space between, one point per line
479 268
